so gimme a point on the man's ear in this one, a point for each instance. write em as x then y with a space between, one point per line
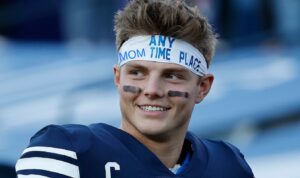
116 76
204 85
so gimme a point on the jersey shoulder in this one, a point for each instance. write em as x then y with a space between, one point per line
54 151
227 158
60 136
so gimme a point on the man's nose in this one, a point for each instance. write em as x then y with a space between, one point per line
154 87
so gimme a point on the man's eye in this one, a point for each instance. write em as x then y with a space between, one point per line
174 76
134 72
137 73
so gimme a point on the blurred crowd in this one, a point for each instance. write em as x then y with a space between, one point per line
252 22
238 22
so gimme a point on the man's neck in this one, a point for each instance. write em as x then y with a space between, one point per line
166 148
168 152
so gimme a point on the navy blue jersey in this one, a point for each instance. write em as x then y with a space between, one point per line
102 151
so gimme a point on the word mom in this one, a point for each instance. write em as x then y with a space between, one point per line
132 54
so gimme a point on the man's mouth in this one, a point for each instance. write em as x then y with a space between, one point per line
150 108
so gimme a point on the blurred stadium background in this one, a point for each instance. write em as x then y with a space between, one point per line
56 60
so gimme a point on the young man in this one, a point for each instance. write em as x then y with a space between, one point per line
165 48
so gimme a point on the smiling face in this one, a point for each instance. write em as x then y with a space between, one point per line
152 111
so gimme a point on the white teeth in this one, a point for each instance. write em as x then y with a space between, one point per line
152 108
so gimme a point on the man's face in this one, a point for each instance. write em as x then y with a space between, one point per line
150 110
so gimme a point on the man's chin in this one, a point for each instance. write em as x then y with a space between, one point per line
157 134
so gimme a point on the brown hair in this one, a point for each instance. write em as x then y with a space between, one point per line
165 17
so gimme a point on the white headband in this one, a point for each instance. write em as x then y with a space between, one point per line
165 49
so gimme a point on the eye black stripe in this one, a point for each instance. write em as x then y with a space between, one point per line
132 89
172 93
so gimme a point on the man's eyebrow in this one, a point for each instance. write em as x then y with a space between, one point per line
165 70
179 70
135 66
